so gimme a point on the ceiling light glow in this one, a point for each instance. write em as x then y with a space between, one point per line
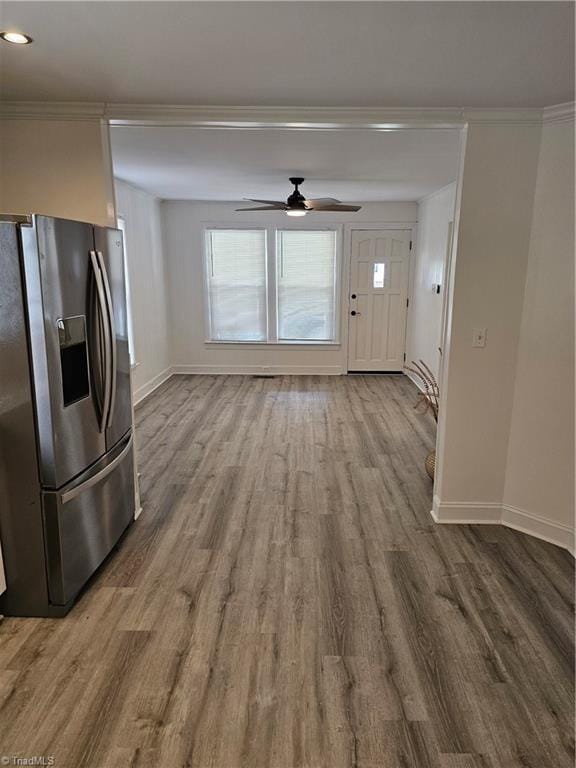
16 37
296 212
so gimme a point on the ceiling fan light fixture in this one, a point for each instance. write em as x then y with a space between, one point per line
15 37
298 205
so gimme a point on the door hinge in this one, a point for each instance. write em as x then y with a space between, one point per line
410 245
404 356
407 302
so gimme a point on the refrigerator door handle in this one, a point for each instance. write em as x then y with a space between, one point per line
98 477
100 289
112 327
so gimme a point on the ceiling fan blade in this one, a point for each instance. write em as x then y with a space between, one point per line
321 202
277 203
339 207
263 208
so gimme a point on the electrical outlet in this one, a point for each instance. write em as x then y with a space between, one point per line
479 337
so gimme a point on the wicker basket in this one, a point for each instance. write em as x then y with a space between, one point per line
430 464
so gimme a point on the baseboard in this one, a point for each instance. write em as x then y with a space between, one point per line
479 513
493 513
547 530
146 389
259 370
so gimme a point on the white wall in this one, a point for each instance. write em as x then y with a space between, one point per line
539 488
435 212
507 414
58 168
148 286
183 223
487 291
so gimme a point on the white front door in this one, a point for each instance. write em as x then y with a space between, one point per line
379 270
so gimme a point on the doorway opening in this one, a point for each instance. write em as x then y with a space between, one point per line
391 279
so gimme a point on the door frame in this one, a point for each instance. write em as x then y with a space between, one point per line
445 305
410 226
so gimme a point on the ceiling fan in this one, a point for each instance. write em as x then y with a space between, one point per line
297 205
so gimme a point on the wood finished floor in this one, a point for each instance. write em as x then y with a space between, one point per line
285 601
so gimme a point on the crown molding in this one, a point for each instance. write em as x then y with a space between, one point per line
512 116
282 118
291 118
52 110
316 118
559 113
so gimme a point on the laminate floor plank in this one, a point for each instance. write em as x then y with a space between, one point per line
286 601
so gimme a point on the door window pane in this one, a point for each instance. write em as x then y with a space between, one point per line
236 278
379 275
306 282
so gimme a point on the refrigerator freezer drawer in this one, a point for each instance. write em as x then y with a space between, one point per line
83 521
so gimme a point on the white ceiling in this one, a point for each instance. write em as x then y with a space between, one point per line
396 54
218 164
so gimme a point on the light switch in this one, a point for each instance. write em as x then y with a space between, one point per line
479 337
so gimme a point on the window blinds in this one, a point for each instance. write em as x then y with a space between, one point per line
236 278
306 282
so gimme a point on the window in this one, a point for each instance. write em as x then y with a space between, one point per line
306 285
129 331
271 286
378 277
236 276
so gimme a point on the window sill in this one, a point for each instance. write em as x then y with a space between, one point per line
274 344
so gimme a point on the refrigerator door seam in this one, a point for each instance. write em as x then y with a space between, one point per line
112 326
107 341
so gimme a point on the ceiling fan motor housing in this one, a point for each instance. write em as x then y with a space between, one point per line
296 199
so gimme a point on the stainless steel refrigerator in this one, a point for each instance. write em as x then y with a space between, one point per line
66 456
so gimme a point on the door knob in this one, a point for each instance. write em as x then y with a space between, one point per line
354 313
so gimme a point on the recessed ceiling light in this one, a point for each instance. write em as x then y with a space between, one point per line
16 37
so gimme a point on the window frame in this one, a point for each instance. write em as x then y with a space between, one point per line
122 225
272 339
335 288
206 283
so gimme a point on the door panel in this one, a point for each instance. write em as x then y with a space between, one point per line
85 519
379 270
59 279
109 244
